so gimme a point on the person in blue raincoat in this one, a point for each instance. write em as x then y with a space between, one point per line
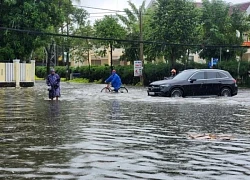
115 80
53 81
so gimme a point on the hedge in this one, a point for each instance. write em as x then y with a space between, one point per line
152 72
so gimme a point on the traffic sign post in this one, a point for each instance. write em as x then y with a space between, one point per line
137 68
213 62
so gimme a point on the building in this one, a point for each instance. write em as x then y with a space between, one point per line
94 59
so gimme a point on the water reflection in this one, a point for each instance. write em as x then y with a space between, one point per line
54 113
88 135
115 112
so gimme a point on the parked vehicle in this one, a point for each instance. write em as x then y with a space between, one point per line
196 82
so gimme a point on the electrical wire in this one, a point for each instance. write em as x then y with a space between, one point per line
104 9
120 40
89 7
104 13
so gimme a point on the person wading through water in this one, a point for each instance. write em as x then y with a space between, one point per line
53 81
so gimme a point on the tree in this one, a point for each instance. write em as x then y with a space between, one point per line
131 21
28 15
80 47
79 26
240 24
174 22
132 17
219 28
109 28
149 49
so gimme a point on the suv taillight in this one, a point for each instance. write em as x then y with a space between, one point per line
235 81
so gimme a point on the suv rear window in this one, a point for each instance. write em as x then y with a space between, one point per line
221 75
211 75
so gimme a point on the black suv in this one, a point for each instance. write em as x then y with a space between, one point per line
196 82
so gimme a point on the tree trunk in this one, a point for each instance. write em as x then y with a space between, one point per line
89 62
172 58
49 57
187 59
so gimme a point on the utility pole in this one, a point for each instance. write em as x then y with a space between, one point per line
49 53
87 41
141 46
67 60
111 57
220 56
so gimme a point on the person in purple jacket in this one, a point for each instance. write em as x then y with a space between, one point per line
53 81
115 81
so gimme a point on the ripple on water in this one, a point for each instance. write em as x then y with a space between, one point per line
93 135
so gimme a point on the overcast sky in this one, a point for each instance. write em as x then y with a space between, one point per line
119 5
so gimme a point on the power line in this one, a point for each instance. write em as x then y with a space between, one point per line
120 40
89 7
114 15
104 13
104 9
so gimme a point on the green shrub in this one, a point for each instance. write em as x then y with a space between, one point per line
61 71
41 71
151 72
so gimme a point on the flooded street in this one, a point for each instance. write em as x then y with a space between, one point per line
94 135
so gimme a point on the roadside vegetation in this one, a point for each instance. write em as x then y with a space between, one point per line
172 30
152 72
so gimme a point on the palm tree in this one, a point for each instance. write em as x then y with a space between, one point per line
132 18
132 23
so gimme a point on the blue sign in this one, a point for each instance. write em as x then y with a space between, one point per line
214 61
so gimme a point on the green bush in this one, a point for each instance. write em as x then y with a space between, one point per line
41 71
61 70
152 72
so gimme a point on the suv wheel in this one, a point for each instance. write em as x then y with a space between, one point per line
226 92
176 93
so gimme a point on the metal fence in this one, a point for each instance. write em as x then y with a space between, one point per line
17 72
9 72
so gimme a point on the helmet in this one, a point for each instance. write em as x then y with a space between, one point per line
173 71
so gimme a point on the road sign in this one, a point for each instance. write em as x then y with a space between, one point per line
213 62
137 68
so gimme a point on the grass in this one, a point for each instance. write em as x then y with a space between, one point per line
63 79
84 80
79 80
37 78
139 84
76 80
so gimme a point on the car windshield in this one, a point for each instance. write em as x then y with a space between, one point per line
184 75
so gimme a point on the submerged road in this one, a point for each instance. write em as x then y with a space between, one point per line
93 135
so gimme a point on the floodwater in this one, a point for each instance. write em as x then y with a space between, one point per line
93 135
